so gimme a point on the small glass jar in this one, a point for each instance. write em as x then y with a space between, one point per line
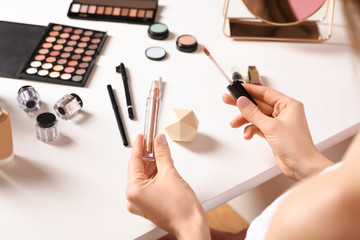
68 106
29 99
46 127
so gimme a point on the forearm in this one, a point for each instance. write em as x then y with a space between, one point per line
314 164
195 228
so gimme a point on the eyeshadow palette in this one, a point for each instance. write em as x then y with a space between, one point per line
130 11
65 55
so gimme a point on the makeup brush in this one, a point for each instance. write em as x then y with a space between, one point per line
235 88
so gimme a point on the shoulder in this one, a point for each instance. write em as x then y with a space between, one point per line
323 207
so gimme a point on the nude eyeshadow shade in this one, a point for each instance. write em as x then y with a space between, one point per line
65 54
130 11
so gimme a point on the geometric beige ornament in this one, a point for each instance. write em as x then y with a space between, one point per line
182 125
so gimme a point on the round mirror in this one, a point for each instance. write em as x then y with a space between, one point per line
283 12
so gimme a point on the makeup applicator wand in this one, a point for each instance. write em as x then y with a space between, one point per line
235 87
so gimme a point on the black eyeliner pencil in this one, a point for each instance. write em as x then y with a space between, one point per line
117 115
121 69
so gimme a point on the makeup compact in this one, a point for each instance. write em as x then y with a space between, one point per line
130 11
155 53
56 54
158 31
186 43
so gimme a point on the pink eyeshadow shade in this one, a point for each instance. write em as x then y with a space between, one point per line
108 10
141 13
72 63
39 57
69 69
149 14
76 57
132 12
50 59
65 55
44 51
54 53
78 31
85 39
100 10
50 39
58 47
54 33
95 40
116 11
82 45
61 41
92 9
61 61
46 45
86 59
68 29
83 65
124 12
75 37
64 35
79 50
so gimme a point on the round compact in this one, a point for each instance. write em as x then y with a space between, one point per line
155 53
158 31
186 43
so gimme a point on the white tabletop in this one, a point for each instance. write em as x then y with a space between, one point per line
75 188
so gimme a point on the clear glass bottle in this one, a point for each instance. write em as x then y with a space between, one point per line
29 99
46 127
68 106
6 142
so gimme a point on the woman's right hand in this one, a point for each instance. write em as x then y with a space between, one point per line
281 121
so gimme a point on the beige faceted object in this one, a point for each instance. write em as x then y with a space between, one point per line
182 125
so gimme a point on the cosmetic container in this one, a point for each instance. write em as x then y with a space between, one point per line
46 127
6 142
29 99
186 43
158 31
68 106
151 121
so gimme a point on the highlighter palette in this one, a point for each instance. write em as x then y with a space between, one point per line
130 11
65 55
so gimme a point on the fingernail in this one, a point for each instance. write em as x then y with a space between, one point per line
243 102
162 139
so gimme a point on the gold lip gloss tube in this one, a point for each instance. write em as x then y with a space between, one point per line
151 120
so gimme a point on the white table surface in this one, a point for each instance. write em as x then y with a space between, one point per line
75 188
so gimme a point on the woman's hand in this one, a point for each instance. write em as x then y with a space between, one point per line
281 121
156 191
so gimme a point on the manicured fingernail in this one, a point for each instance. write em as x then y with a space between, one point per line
243 102
162 139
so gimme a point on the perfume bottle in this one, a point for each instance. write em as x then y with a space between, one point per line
46 127
68 106
6 142
29 99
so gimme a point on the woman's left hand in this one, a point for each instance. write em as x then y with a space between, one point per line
156 191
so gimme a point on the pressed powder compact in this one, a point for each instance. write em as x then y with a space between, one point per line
186 43
158 31
155 53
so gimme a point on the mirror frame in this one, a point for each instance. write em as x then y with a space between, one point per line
255 21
